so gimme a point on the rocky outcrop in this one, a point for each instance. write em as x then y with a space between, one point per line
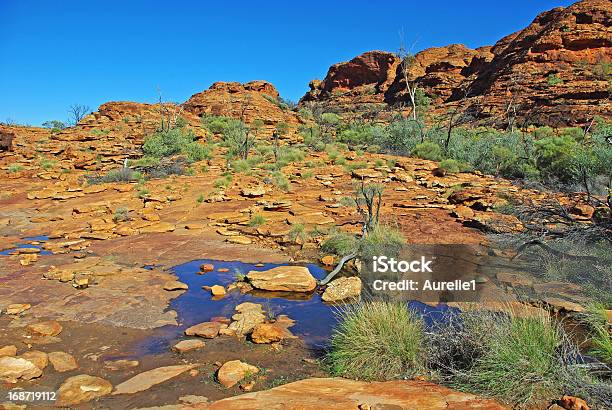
6 140
255 100
364 79
554 72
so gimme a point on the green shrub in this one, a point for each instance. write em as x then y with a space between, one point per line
163 144
298 233
377 341
280 181
257 220
215 124
401 136
200 198
339 243
47 164
223 182
450 166
373 149
428 150
145 162
307 175
553 79
116 175
14 168
554 157
121 215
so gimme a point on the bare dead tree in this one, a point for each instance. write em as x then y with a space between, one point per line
406 62
76 112
368 199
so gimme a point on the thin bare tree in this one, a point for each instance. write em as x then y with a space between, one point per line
407 60
76 112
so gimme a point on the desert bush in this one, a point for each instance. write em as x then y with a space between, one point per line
381 240
360 134
298 233
121 215
116 175
280 181
164 144
215 124
521 361
223 182
238 138
553 79
14 168
600 336
554 157
401 136
428 150
257 220
339 243
450 166
377 341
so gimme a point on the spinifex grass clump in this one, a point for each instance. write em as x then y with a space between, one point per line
377 341
596 320
521 364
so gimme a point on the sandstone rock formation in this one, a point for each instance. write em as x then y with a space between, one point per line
6 141
255 100
554 72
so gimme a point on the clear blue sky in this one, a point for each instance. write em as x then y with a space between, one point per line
57 53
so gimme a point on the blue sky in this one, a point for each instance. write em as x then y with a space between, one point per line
57 53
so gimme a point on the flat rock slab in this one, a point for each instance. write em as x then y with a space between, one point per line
209 330
150 378
81 389
175 285
62 362
188 345
50 328
338 393
283 278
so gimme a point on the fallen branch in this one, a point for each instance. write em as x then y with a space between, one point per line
555 252
338 268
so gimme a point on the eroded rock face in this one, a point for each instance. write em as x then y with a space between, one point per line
283 278
337 393
553 72
6 140
369 74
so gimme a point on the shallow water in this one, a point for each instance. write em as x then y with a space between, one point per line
314 319
28 244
